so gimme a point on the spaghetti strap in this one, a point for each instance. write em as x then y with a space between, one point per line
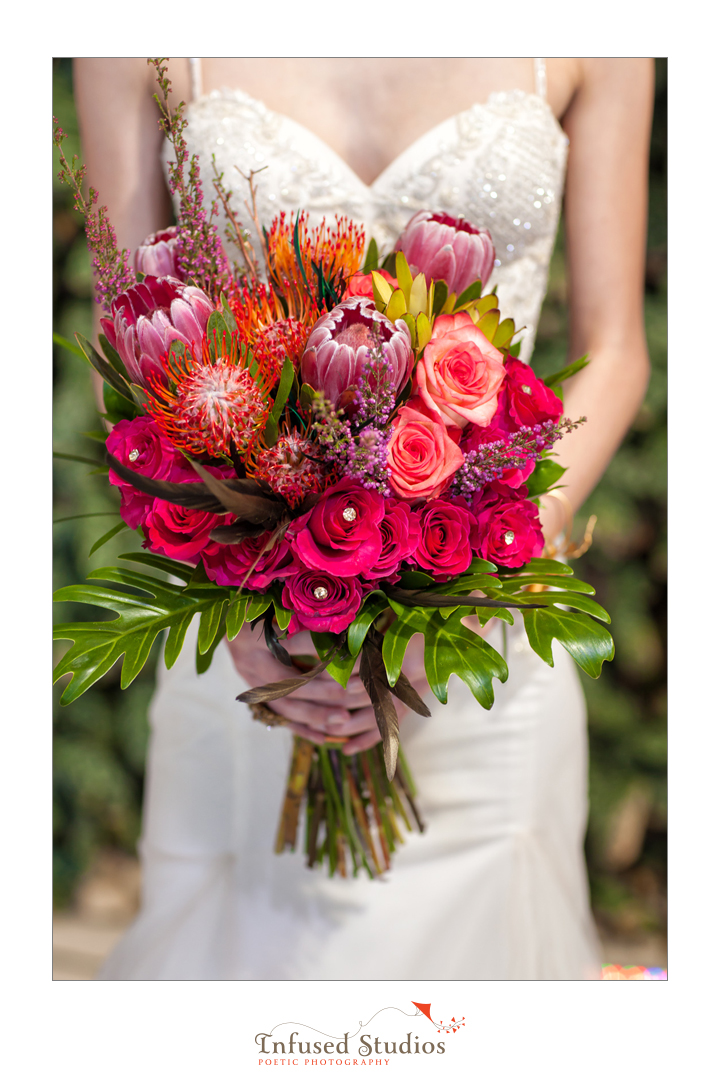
196 77
540 77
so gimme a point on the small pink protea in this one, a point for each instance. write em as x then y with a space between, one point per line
448 249
148 317
156 254
341 340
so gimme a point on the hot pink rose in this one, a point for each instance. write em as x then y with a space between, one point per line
361 284
178 532
510 533
529 400
341 534
421 456
460 372
140 445
448 533
400 531
228 564
320 601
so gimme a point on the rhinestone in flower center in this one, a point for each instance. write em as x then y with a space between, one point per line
133 455
526 389
320 592
509 536
349 513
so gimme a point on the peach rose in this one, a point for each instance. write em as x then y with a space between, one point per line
421 456
460 372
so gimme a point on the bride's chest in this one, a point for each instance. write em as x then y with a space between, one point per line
500 164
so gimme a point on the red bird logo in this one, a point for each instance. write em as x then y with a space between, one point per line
453 1026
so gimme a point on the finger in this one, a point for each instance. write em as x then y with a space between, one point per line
362 720
310 713
361 742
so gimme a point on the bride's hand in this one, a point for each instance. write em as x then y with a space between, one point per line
311 708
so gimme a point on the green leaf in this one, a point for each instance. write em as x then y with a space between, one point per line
514 349
572 600
538 566
544 476
219 334
403 275
473 292
76 517
65 344
282 615
117 407
271 432
286 380
230 321
372 257
589 644
76 457
307 396
107 536
105 369
554 580
440 296
210 619
566 372
504 333
140 618
452 649
374 604
113 356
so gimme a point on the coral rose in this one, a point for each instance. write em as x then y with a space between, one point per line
361 284
421 456
460 372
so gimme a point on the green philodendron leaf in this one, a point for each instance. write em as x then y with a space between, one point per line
374 604
210 620
567 583
140 618
452 649
416 579
341 666
258 604
410 621
544 476
161 562
589 644
572 600
538 566
236 612
203 660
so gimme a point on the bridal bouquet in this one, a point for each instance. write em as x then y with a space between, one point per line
340 443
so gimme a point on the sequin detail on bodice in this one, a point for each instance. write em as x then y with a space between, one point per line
500 164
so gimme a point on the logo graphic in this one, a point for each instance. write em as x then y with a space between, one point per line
453 1026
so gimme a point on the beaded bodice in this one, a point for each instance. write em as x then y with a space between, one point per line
500 164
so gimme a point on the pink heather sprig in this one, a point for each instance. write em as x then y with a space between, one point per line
200 255
375 394
363 456
112 273
490 461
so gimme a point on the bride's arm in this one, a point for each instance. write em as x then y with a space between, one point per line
608 123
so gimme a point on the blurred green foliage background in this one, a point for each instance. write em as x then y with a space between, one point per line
101 739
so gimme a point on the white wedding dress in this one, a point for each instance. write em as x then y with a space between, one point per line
496 888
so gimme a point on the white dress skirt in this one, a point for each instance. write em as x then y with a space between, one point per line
496 888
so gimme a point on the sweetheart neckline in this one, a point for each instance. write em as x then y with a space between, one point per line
227 91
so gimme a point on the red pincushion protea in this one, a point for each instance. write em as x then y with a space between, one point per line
209 405
290 468
147 318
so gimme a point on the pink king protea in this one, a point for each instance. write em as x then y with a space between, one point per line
156 254
448 249
341 340
149 317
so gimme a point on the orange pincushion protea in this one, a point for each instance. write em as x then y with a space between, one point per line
263 324
210 405
337 252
